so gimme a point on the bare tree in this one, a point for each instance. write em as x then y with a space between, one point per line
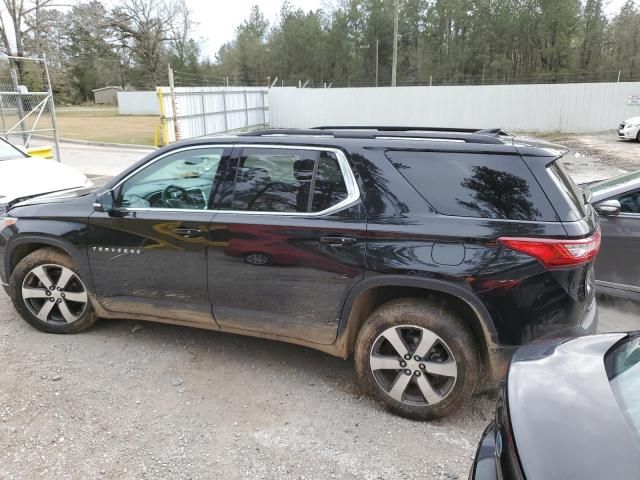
24 18
146 26
180 29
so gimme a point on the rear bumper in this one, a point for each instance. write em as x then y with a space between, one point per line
500 356
588 325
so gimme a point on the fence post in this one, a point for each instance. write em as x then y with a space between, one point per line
246 109
54 122
224 109
204 114
4 121
16 88
173 103
264 110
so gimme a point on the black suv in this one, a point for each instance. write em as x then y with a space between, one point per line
428 254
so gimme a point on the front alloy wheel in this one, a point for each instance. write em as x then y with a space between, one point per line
49 293
413 365
54 294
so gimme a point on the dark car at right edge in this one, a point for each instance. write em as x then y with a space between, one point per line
569 409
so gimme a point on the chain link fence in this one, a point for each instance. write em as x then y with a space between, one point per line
27 111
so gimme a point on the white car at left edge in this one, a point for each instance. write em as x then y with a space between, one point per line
23 177
629 129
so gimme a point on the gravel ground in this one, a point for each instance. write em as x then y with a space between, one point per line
598 155
141 400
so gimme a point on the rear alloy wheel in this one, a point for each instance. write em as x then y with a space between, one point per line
49 293
257 258
418 358
413 365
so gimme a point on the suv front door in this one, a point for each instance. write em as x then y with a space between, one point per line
287 242
615 265
148 255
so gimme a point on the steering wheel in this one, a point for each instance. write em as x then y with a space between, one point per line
174 196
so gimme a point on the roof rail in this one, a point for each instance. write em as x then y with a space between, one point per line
284 132
478 131
467 136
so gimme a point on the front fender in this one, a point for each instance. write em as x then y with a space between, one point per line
14 243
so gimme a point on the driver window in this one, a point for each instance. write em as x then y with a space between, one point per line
182 180
630 202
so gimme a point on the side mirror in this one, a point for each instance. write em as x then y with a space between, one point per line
104 202
609 208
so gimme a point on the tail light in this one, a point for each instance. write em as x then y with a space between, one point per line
556 253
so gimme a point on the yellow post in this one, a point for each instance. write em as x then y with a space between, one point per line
163 120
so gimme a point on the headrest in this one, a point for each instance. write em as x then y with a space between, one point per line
303 169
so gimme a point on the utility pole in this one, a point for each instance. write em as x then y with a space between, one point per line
377 59
394 65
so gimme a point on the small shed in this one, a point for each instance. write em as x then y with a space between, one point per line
106 95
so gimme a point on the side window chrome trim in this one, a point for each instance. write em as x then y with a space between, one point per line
353 192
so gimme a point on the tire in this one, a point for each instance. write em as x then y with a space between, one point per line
257 259
638 136
439 382
38 279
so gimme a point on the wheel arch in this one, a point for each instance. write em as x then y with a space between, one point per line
22 246
371 293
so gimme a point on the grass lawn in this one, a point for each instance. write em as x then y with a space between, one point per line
103 124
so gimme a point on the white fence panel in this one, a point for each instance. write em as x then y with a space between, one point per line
570 108
138 103
204 111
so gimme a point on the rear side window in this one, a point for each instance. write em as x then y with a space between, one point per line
287 181
475 185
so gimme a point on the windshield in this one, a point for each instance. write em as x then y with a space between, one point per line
9 152
623 368
610 183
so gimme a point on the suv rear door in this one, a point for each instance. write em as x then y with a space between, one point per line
287 243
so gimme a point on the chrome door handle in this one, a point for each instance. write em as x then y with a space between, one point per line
338 240
188 232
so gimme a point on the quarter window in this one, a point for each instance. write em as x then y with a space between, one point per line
287 181
475 185
182 180
329 187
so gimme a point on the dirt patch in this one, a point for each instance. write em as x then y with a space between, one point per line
596 156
